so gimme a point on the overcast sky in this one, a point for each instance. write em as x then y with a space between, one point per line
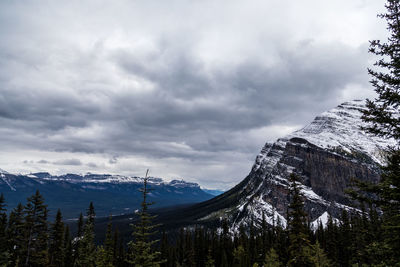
189 89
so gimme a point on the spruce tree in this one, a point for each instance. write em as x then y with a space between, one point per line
87 249
105 253
36 236
272 259
300 246
320 258
16 235
210 262
69 260
56 248
4 253
382 114
77 240
239 257
344 239
141 251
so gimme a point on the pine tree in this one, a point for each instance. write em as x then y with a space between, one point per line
141 252
224 260
56 248
344 239
272 259
225 246
320 258
105 254
210 262
383 115
332 239
87 249
4 253
239 257
15 235
164 248
383 111
300 246
36 253
69 261
118 257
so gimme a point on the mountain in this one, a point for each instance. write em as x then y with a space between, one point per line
111 194
214 192
325 155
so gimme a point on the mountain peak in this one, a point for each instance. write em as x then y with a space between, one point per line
342 128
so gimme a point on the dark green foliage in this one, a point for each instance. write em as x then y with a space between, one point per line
319 257
16 234
105 253
56 248
210 262
381 112
141 251
69 259
300 251
36 235
239 257
4 252
272 259
356 241
87 249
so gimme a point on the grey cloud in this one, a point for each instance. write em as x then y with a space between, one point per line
154 91
92 165
113 160
202 109
72 162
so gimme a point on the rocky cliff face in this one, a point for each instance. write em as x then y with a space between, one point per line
325 154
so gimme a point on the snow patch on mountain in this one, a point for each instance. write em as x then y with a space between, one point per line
5 179
337 129
341 127
323 219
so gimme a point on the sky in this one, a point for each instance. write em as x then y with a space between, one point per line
189 89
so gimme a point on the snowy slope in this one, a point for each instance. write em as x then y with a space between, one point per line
341 127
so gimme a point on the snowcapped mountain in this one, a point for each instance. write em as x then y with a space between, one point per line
325 155
111 194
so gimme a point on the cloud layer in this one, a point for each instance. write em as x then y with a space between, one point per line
188 89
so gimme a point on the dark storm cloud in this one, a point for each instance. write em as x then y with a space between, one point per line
171 82
202 109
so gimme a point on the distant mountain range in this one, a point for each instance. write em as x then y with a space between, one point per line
111 194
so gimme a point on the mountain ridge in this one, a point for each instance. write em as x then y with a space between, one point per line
72 193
